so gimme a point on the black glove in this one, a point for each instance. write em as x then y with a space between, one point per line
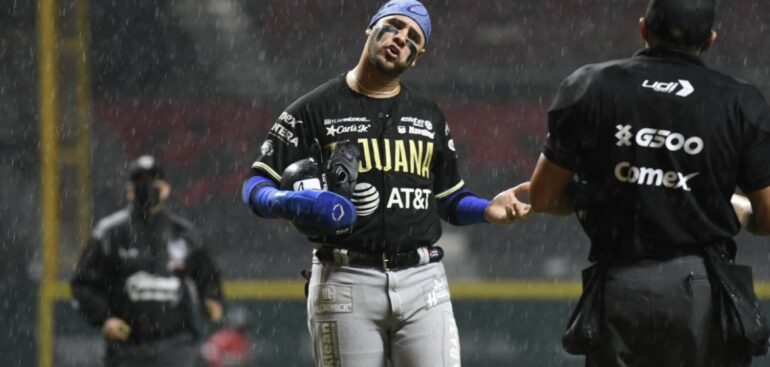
342 168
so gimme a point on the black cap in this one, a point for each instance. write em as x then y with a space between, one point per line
681 22
145 165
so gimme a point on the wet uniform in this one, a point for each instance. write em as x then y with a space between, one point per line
138 271
361 299
658 143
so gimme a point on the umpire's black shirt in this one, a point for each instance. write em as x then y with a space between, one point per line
658 143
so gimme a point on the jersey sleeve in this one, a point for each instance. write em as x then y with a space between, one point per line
447 176
89 284
754 166
566 118
205 274
288 141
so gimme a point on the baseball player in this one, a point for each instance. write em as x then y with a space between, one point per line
378 293
132 278
648 151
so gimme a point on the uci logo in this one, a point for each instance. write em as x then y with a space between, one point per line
670 87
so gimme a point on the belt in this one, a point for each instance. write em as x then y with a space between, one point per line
380 260
665 252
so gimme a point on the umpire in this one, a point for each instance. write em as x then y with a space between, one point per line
132 278
648 151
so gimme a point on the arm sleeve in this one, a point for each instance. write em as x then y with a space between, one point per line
446 175
89 284
566 122
754 166
462 208
205 273
258 194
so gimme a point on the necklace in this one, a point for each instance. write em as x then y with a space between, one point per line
354 83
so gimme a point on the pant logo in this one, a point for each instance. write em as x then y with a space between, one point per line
328 353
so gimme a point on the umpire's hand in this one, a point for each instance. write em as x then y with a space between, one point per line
506 207
115 329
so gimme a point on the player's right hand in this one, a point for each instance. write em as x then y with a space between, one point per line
507 208
323 209
116 329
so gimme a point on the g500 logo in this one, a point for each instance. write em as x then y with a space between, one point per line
659 138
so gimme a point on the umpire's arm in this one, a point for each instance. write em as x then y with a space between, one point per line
207 278
759 220
549 188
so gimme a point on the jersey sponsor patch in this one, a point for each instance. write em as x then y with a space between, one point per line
345 120
409 198
283 134
289 120
682 87
327 345
436 292
142 286
658 139
411 130
335 130
646 176
366 198
330 298
418 122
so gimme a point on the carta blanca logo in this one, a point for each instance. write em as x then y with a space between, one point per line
683 88
627 173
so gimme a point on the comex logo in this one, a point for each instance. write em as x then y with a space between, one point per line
625 172
670 87
659 138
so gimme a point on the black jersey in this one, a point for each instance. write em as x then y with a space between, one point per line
137 271
408 160
658 143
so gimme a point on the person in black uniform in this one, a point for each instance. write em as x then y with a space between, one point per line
378 291
648 151
132 278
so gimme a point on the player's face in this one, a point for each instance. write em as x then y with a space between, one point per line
148 193
394 44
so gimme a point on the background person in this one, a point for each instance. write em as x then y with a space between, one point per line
131 279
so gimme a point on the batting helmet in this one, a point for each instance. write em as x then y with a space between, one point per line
341 173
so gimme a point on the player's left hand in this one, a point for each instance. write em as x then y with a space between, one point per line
213 309
506 207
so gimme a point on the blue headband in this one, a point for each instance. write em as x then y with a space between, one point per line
409 8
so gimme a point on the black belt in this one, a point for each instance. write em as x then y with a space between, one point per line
380 260
665 252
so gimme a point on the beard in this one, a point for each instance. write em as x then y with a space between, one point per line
389 70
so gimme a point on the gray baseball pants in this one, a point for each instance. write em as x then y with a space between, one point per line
366 317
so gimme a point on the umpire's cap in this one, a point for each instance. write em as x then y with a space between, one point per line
145 165
681 22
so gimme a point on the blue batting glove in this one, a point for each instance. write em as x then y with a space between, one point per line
323 209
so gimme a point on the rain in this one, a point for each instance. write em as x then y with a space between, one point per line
199 83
